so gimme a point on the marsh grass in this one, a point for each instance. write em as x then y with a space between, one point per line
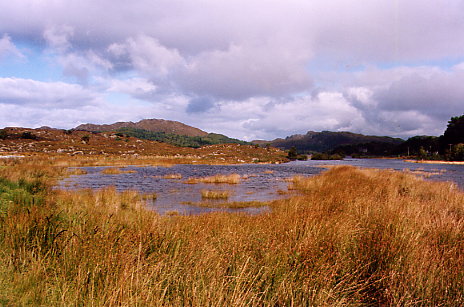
216 179
76 171
351 237
229 204
172 176
116 171
210 194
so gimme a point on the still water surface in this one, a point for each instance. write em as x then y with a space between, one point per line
259 182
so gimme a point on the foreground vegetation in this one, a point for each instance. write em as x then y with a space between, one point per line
350 237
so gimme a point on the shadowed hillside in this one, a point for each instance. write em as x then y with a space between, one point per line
327 141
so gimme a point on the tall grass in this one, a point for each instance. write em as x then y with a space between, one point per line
216 179
214 194
351 237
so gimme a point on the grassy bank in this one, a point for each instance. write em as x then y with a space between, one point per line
350 237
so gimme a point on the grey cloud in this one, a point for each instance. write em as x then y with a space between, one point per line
439 96
200 105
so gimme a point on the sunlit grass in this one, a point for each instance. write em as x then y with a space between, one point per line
350 237
76 171
172 176
229 204
216 179
116 171
210 194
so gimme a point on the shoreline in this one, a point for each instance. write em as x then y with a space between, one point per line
435 162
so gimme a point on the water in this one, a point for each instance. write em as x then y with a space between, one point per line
259 182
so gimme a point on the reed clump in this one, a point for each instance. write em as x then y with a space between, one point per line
213 194
216 179
172 176
116 171
350 237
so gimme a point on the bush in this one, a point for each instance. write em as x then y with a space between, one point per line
325 156
28 135
3 134
85 139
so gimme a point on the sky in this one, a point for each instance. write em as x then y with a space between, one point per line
254 69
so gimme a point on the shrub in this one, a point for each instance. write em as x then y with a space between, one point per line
3 134
28 135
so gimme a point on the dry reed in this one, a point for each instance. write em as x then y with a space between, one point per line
209 194
116 171
172 176
351 237
216 179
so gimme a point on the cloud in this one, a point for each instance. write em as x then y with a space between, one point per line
246 67
14 91
8 48
438 96
136 87
200 105
244 71
57 37
408 101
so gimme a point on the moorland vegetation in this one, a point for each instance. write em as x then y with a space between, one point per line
349 237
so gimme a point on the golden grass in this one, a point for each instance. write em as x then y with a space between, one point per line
209 194
230 204
216 179
351 237
76 171
172 176
116 171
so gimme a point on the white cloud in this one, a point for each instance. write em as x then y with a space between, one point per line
14 91
57 37
135 86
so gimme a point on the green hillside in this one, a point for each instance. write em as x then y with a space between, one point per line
179 140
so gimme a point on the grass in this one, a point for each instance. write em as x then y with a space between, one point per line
116 171
209 194
350 237
229 204
76 171
172 176
216 179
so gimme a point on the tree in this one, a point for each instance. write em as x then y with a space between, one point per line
292 153
454 133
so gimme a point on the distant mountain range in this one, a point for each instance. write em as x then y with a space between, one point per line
179 134
153 125
182 135
327 141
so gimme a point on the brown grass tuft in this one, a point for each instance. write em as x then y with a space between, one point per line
208 194
216 179
116 171
172 176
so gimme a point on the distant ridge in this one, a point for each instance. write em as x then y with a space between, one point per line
326 141
153 125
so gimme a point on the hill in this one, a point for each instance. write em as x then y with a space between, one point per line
327 141
153 125
178 139
75 143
